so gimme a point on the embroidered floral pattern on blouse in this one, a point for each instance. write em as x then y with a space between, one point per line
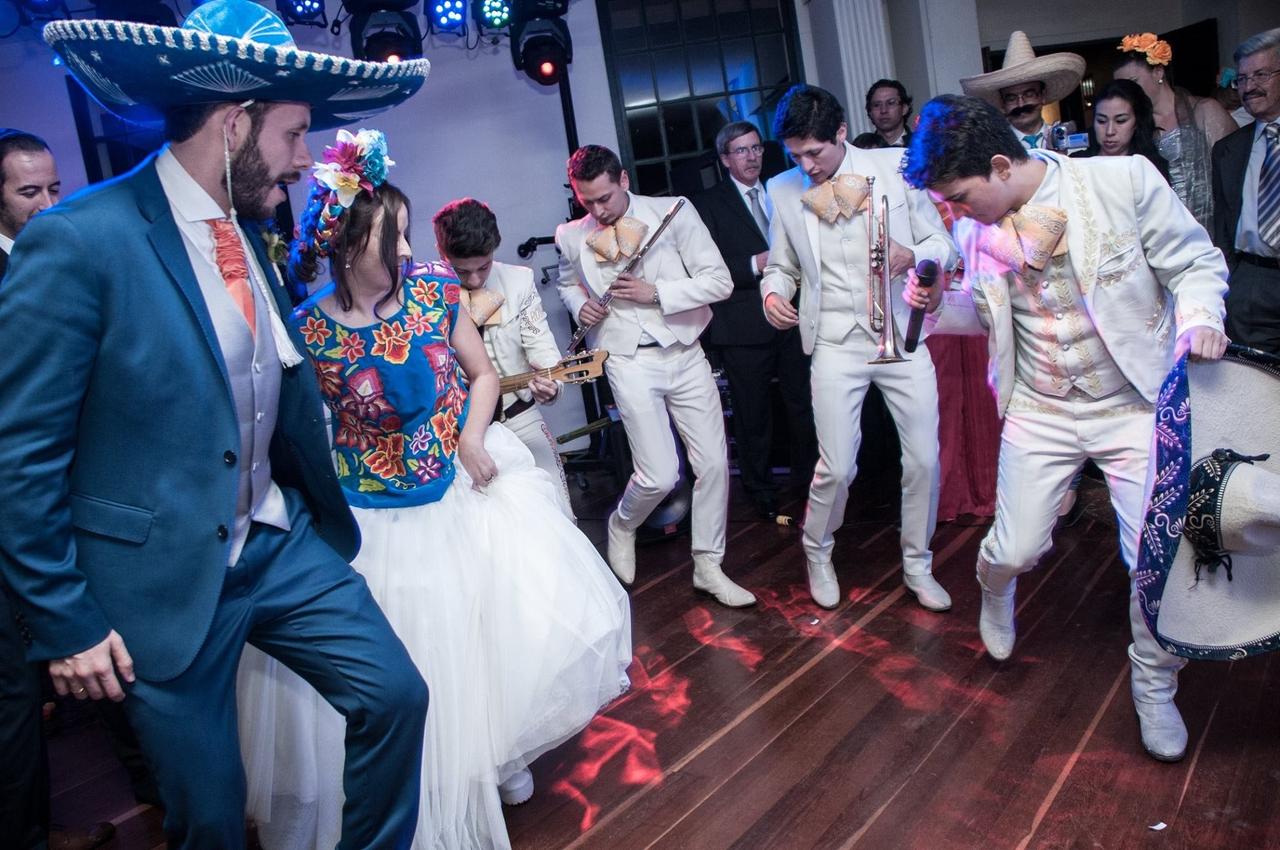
397 395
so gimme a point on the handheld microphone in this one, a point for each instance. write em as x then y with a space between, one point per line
927 273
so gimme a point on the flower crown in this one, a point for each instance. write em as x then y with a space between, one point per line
355 163
1157 50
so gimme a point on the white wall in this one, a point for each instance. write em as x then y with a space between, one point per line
478 127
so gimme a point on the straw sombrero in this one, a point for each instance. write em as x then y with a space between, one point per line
1208 571
226 50
1060 73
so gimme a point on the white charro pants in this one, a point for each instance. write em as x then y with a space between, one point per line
656 387
1044 443
840 376
532 430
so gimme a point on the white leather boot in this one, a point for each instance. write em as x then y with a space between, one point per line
823 586
710 578
995 623
622 550
931 595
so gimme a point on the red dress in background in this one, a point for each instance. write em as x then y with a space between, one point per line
968 428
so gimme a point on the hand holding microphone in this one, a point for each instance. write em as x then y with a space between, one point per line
919 294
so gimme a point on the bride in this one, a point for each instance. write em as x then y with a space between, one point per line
516 623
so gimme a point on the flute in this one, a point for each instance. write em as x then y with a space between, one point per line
631 266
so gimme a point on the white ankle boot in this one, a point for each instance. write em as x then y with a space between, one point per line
995 623
516 788
823 586
1164 735
622 550
710 578
931 595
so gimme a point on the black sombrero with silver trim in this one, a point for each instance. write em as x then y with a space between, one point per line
226 50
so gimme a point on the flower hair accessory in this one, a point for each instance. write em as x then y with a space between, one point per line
355 163
1157 50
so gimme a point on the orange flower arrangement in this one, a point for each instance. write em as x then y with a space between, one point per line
1158 51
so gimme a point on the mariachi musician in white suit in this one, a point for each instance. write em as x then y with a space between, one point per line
818 241
1089 278
508 311
656 368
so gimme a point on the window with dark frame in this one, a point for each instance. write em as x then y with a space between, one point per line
679 70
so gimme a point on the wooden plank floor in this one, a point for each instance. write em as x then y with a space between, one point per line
877 725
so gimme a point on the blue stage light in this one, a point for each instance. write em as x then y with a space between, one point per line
302 12
446 15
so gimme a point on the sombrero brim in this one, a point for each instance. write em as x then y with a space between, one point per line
1199 411
138 71
1060 72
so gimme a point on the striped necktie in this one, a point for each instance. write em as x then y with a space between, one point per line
1269 189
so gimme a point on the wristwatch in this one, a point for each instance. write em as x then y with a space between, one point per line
656 299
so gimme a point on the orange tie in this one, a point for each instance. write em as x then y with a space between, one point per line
228 253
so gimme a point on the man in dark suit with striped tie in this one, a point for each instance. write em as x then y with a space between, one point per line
751 351
1246 195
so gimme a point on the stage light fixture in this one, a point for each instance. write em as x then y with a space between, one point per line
138 11
492 14
446 15
383 35
44 9
302 12
541 47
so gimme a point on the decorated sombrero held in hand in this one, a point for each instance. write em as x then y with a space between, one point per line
226 50
1208 570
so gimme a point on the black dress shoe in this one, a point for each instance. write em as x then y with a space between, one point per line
66 839
766 508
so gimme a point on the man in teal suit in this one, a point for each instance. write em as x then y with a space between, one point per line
164 463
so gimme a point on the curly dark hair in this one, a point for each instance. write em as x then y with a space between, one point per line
808 112
1143 142
466 228
590 161
957 137
352 235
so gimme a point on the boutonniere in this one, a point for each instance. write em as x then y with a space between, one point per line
277 246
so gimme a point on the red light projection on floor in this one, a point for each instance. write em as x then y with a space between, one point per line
625 747
703 628
604 740
896 668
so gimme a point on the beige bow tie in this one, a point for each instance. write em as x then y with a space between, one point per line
484 305
839 197
1029 237
620 239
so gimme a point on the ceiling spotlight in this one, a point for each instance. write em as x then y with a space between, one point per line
385 36
303 12
542 49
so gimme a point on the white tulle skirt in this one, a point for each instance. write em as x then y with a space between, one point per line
519 628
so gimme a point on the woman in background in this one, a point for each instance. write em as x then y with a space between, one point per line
1187 126
1124 125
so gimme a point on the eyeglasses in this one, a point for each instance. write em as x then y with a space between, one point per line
886 104
1259 77
1011 98
754 150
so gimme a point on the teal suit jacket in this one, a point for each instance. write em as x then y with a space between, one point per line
115 424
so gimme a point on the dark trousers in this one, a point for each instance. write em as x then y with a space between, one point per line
293 597
24 768
750 370
1253 307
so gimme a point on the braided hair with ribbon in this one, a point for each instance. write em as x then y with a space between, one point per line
348 189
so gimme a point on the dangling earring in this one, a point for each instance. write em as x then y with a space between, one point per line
226 158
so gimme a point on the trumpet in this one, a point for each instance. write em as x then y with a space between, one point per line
879 290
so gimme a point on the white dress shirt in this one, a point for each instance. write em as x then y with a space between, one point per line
765 204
